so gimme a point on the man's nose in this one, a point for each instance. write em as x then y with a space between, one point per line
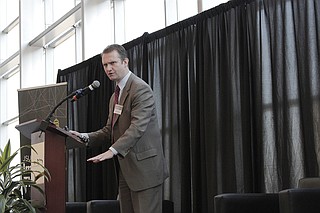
108 67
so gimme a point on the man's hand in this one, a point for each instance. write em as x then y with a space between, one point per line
81 136
104 156
75 133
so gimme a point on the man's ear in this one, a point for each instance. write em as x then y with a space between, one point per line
126 61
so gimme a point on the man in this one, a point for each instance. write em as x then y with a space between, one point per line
132 127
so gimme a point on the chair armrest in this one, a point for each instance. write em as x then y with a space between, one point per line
103 206
300 200
246 203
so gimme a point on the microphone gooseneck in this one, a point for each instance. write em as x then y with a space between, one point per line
75 96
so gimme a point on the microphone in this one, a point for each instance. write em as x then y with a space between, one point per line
76 95
82 92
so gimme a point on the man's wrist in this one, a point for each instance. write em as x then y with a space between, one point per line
113 150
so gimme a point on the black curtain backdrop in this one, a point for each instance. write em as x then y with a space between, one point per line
237 93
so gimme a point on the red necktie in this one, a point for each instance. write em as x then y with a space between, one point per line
116 97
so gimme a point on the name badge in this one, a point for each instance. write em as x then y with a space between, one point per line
118 109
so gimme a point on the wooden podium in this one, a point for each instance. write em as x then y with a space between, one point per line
54 144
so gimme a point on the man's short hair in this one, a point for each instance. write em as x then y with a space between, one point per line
120 49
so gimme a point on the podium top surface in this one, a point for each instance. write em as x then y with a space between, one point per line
35 125
29 127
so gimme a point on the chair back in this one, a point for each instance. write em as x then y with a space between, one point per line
309 182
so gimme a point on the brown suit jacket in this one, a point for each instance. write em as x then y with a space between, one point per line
136 136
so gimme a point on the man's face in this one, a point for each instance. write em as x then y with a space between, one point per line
114 67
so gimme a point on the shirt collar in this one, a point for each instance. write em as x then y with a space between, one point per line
124 80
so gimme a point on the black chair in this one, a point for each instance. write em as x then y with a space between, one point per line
167 206
300 200
246 203
103 206
309 182
305 198
76 207
113 206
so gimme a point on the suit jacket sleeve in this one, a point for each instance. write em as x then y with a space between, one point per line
103 134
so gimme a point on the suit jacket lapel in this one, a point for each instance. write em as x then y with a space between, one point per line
126 89
125 92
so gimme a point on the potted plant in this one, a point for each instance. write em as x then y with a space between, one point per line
14 185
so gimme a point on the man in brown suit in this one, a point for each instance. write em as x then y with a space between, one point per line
133 129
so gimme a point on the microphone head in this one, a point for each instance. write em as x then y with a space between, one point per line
95 84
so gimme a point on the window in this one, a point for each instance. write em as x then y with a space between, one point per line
61 7
13 40
9 71
207 4
186 9
13 84
12 10
14 136
64 55
139 20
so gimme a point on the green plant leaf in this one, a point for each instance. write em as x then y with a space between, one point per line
7 150
2 203
15 180
6 163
